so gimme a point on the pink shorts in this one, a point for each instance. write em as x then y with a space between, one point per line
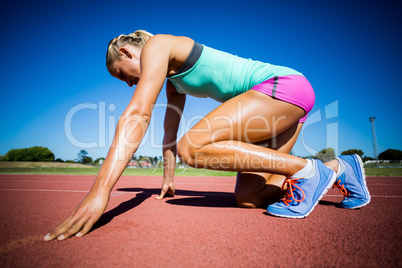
294 89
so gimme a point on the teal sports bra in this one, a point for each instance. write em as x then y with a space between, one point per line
222 76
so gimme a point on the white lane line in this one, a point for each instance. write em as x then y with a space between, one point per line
45 181
115 193
124 182
46 190
68 191
386 184
383 196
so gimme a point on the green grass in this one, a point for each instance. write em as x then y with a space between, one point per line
178 172
93 171
49 170
371 171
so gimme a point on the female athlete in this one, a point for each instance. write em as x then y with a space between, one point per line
252 132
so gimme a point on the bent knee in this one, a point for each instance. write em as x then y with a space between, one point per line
243 204
247 201
186 152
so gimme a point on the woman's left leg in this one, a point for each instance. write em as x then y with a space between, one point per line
257 189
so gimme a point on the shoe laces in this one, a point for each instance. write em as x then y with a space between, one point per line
291 187
341 188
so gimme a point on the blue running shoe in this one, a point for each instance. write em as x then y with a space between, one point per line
303 194
352 182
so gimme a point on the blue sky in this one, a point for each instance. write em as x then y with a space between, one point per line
53 71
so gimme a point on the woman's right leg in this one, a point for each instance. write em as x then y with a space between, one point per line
256 189
224 139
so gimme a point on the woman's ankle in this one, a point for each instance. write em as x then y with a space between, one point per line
333 165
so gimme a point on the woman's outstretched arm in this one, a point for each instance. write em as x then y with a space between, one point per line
173 114
130 131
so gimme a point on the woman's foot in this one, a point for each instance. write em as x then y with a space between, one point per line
351 181
303 194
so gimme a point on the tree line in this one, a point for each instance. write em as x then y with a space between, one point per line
328 154
32 154
43 154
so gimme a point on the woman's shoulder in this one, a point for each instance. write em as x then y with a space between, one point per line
168 40
157 46
176 48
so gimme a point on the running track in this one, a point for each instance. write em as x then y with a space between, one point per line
200 227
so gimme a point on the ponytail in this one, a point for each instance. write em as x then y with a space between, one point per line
143 35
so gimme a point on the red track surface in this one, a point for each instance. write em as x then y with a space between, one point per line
200 227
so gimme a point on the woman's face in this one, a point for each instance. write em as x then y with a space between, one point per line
127 68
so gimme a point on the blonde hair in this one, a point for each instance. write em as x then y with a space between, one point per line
136 39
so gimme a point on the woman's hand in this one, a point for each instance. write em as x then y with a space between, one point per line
167 189
81 220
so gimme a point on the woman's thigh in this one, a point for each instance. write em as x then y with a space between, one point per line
251 117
